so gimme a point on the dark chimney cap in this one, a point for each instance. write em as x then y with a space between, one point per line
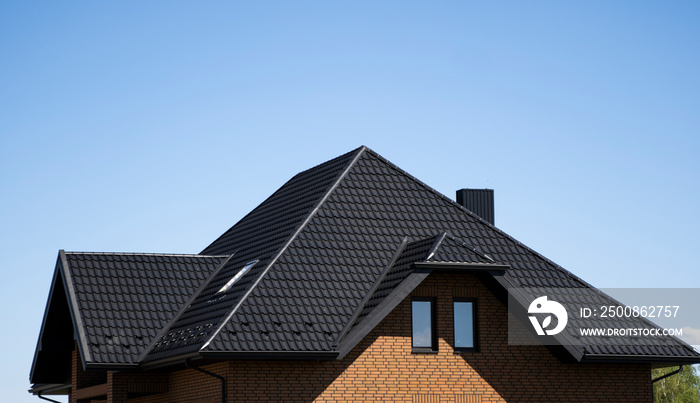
479 202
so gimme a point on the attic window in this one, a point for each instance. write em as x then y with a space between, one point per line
238 275
423 325
464 315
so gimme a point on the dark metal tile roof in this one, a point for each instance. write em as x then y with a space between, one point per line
316 285
262 234
321 242
124 299
314 288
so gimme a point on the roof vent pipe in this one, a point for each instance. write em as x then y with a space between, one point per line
478 201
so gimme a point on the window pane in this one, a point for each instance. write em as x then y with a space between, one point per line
464 324
422 324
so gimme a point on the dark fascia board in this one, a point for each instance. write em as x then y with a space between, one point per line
270 355
381 311
462 266
640 359
79 328
283 249
168 362
108 366
233 355
51 389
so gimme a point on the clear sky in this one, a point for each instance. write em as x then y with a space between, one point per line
154 126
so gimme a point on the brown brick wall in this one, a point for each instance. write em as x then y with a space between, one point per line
80 378
382 366
192 386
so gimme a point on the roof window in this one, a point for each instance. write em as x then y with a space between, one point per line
238 275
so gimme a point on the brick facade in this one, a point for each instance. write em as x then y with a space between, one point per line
382 366
81 379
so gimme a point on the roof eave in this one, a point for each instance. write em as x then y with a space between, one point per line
462 266
233 355
167 362
109 366
640 359
51 389
271 355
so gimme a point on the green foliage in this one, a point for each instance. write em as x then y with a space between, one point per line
680 388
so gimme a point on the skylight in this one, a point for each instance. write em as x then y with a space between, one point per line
238 275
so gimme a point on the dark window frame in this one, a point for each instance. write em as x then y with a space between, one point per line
433 326
475 326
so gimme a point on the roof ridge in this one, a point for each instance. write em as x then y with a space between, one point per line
290 180
359 152
356 150
464 209
439 239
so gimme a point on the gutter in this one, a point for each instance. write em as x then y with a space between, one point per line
270 355
110 366
626 358
166 362
46 398
230 355
667 375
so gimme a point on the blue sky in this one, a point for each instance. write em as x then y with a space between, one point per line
154 126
